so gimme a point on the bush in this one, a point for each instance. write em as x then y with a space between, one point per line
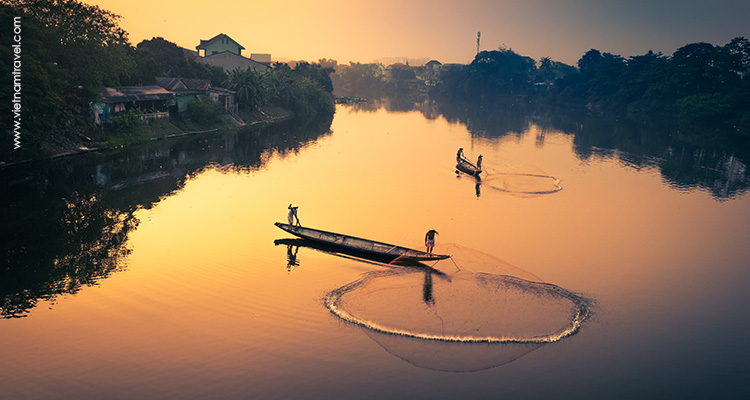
311 99
703 107
126 121
205 111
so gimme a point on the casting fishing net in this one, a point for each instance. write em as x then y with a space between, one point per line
451 356
520 180
471 297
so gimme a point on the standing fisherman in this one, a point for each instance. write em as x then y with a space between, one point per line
460 155
429 240
293 215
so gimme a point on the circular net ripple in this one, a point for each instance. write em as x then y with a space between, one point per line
519 183
520 180
464 304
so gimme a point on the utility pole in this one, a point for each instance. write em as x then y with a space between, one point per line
479 34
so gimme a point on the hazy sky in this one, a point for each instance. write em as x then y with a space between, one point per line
445 30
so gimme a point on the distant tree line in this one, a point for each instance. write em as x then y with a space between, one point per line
699 83
71 50
357 79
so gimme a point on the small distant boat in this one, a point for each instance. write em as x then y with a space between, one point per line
468 168
385 250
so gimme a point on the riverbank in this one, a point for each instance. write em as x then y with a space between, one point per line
109 138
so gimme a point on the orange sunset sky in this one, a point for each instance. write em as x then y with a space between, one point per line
361 31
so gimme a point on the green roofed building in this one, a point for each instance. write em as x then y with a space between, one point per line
223 51
218 44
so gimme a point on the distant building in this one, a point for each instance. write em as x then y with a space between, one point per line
230 61
223 51
261 57
414 62
434 65
432 71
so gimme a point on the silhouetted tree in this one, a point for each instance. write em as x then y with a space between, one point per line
177 62
501 71
317 73
70 50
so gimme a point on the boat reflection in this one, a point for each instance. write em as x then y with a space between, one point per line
477 178
293 246
361 256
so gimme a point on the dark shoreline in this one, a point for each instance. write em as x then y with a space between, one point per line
104 146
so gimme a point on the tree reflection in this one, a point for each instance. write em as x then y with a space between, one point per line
718 165
66 222
688 158
60 245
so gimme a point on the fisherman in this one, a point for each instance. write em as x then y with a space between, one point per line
429 240
479 162
460 155
293 215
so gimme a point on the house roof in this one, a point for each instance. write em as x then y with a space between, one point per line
182 85
197 84
221 91
398 66
134 93
217 37
170 84
185 86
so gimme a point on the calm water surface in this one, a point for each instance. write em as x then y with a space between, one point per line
152 272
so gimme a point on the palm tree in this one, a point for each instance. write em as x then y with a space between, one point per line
280 84
248 87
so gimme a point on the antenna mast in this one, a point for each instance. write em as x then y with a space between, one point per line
479 34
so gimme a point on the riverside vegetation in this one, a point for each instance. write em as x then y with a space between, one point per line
71 50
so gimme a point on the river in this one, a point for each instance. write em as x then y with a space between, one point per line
587 263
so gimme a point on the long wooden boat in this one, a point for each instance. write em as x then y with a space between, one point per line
380 249
468 168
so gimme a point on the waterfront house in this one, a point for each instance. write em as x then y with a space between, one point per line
152 102
186 90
